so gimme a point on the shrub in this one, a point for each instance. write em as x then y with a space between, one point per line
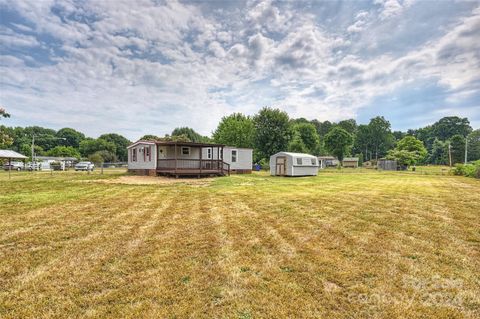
469 170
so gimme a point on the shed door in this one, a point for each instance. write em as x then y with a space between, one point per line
162 152
280 165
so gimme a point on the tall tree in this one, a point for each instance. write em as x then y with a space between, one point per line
381 137
339 142
272 132
408 151
64 151
5 139
308 135
362 143
235 130
190 133
71 137
473 146
449 126
349 125
439 153
457 148
89 146
296 144
120 143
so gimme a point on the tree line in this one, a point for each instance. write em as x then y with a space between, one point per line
269 131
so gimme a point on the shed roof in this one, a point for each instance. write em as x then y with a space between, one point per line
11 154
350 159
56 158
295 154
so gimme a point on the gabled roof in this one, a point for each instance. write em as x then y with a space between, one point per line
11 154
296 154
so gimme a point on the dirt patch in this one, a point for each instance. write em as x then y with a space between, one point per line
154 180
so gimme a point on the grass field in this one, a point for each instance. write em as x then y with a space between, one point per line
341 245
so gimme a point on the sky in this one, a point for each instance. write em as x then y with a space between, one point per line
138 67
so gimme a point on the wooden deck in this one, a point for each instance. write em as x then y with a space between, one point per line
192 167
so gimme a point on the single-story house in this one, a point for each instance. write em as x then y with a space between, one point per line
293 164
350 162
187 158
328 161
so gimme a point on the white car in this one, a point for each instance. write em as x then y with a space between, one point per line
84 166
14 166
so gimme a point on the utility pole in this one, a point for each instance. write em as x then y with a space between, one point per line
450 154
466 151
33 152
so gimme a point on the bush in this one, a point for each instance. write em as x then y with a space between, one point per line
469 170
265 164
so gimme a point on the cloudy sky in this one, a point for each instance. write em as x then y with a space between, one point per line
147 66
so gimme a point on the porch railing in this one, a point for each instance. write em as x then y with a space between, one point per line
194 164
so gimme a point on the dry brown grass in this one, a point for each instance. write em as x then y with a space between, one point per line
370 245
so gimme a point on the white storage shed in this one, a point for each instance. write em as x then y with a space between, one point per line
293 164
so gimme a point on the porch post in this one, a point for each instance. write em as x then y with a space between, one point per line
175 158
201 149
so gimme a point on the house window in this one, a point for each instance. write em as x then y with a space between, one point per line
221 153
299 161
234 156
209 153
134 154
185 150
314 162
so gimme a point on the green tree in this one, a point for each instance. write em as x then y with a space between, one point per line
103 156
71 137
349 125
439 153
64 151
235 130
296 144
89 146
457 148
120 143
474 145
362 143
272 132
381 137
449 126
5 139
191 134
149 137
307 134
408 151
339 142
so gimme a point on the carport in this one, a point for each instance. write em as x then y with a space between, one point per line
9 155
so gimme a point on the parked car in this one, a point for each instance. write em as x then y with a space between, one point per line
84 166
14 166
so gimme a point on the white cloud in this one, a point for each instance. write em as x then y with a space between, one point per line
149 68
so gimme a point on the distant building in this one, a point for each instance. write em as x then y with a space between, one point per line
387 165
46 161
328 161
350 162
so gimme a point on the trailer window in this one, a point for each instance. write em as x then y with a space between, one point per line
134 154
299 161
185 150
234 156
314 162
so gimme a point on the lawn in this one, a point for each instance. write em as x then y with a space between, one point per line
340 245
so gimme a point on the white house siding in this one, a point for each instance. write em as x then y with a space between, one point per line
244 157
140 163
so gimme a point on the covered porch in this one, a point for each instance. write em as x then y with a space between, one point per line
190 159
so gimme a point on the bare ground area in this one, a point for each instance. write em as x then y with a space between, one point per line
343 245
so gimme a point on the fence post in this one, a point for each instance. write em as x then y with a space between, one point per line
101 169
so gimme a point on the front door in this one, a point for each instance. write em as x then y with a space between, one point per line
280 166
162 152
